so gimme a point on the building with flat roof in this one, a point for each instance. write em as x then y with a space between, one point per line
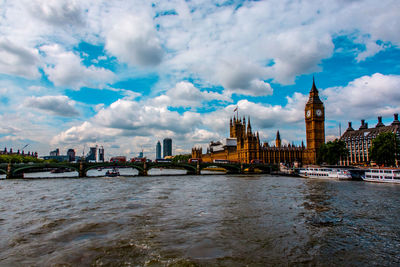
167 147
158 150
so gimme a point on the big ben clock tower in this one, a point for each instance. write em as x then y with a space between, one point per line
315 125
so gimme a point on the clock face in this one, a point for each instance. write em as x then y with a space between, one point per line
319 112
308 113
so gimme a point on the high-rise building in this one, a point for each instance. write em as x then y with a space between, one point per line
55 152
92 155
101 154
71 154
167 147
158 150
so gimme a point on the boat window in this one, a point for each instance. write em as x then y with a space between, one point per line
387 171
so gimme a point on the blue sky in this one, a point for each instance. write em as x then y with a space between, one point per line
125 74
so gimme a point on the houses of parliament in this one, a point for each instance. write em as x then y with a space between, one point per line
244 146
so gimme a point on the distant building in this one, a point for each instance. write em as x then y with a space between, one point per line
158 150
167 147
359 141
71 154
59 158
140 154
101 154
55 152
92 155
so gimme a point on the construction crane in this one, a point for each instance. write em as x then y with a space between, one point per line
24 147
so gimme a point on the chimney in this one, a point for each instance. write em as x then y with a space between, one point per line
350 128
379 124
363 125
396 119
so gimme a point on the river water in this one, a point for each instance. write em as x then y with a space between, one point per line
223 220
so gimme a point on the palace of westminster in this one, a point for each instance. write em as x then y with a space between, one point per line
243 145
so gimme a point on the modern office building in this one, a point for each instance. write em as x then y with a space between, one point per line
92 155
167 147
101 154
55 152
158 150
71 154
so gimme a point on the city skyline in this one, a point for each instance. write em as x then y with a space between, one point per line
127 74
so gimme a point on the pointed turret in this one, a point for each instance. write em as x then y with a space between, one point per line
314 98
278 139
248 125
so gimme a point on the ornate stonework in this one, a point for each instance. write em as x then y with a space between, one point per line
244 146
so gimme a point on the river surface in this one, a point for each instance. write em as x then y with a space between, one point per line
206 220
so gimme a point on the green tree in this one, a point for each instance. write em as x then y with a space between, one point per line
384 149
332 151
181 158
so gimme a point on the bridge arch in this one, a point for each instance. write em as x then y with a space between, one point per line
230 168
114 165
19 170
190 168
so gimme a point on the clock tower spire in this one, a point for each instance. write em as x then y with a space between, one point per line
315 125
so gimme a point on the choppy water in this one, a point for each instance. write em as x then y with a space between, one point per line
198 220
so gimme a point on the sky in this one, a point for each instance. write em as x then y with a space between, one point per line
125 74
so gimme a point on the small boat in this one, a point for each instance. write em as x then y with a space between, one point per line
57 171
112 173
328 173
382 175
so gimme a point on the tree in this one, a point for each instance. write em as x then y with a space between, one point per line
385 149
332 151
181 158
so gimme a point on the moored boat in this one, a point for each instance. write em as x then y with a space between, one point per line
328 173
382 175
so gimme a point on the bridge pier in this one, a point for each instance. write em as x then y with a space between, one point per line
198 171
10 174
82 173
145 171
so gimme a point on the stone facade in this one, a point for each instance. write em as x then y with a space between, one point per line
244 146
359 141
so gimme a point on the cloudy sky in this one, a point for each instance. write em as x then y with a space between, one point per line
124 74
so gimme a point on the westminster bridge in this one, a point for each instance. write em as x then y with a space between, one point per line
17 170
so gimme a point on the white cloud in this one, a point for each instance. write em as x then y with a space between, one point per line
185 94
56 105
18 60
365 97
66 69
133 39
59 13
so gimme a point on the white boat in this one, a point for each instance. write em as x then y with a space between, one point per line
382 175
328 173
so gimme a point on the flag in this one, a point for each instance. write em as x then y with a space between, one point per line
235 109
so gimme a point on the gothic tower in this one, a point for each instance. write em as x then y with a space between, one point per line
315 125
278 139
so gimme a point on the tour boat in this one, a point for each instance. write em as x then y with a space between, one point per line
382 175
329 173
113 173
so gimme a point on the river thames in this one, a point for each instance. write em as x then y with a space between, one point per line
225 220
